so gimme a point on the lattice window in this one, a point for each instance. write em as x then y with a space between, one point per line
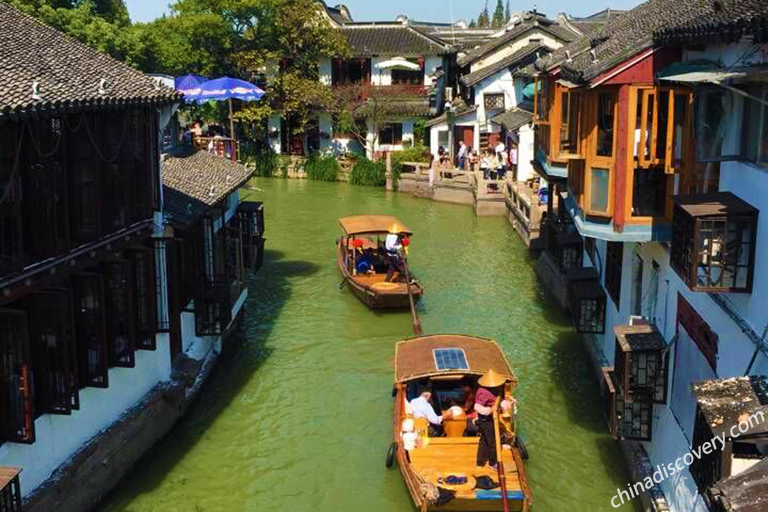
162 285
641 362
10 490
613 262
16 389
90 330
713 243
494 101
54 356
145 295
121 323
587 304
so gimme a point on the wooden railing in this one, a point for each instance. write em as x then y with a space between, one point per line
224 147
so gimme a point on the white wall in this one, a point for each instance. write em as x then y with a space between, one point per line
498 83
525 153
59 437
506 51
273 125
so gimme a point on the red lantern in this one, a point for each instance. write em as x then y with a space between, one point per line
406 242
357 242
422 62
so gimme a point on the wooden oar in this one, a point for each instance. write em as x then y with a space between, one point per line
414 317
499 460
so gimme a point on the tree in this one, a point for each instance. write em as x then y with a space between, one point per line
484 20
498 15
472 24
507 13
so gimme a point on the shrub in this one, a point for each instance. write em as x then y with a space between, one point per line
368 174
322 168
414 154
264 161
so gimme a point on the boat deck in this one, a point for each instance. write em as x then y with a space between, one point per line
457 456
376 281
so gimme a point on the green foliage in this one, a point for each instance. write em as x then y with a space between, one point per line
498 15
507 13
322 168
264 161
472 24
420 132
414 154
484 20
368 173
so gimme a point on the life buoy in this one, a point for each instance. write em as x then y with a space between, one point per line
521 446
391 455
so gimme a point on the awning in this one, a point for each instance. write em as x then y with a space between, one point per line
734 403
398 62
745 492
707 71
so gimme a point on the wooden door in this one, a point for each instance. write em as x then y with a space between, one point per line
466 134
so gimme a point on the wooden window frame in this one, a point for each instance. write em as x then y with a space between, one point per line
395 141
593 160
95 350
144 298
17 403
121 357
55 364
614 259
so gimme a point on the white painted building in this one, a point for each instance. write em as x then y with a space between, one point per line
394 72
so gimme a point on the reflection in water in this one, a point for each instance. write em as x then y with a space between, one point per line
298 414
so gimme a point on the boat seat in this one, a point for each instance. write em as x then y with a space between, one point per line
455 427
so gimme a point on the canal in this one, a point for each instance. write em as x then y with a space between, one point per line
298 414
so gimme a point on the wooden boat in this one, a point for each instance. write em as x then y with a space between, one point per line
442 361
369 231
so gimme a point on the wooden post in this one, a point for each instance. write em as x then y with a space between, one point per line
231 122
390 178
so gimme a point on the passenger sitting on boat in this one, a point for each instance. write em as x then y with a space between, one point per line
394 245
469 389
364 262
490 387
422 408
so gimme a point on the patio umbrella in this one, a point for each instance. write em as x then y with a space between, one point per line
189 84
227 89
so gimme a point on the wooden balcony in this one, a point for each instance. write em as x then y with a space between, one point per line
221 146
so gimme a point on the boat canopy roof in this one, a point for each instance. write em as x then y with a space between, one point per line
363 224
449 354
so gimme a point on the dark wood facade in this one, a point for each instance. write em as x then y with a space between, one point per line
78 285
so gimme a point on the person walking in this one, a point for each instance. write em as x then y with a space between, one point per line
462 156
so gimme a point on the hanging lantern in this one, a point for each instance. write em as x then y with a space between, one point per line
422 62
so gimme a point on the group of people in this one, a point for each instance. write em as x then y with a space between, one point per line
477 405
493 162
390 256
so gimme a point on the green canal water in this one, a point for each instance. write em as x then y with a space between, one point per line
297 415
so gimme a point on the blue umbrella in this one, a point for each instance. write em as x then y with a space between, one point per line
189 84
226 88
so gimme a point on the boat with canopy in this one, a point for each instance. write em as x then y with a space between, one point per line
441 473
364 237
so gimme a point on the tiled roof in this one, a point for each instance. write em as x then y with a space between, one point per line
622 37
457 36
513 119
68 73
391 40
595 21
530 23
723 21
522 57
194 181
414 105
460 111
340 14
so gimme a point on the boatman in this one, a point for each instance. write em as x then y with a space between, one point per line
490 387
393 245
421 407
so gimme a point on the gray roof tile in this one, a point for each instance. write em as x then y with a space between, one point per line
522 57
194 181
391 40
68 72
513 119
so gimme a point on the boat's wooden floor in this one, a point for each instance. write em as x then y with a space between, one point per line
375 279
451 456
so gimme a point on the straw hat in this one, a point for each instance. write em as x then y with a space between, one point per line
491 379
396 229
